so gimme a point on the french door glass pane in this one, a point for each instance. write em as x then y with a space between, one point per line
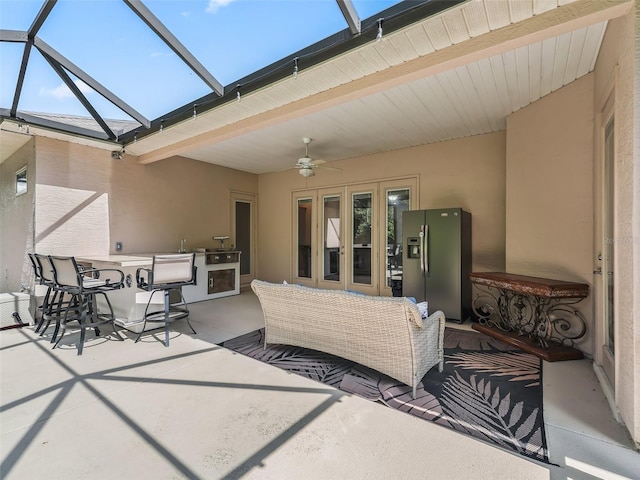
362 216
304 237
609 241
397 202
331 238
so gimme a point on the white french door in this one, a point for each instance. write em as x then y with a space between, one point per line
396 197
304 239
362 242
331 241
351 237
604 274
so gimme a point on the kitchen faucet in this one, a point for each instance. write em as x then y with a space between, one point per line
222 239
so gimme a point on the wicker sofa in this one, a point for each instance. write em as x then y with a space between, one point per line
386 334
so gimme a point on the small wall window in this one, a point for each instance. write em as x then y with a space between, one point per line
21 181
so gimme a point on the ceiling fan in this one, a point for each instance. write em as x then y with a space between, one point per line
306 164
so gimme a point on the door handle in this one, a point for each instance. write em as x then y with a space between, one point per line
425 248
424 252
599 272
421 247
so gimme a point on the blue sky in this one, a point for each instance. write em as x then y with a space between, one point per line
231 38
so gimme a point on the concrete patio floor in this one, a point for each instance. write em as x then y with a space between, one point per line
196 410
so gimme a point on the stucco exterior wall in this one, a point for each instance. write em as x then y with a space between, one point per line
155 205
634 362
87 201
467 173
549 193
615 71
16 219
72 199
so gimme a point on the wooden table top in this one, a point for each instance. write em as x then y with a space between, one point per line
541 287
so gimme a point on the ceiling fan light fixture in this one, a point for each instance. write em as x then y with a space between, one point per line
306 172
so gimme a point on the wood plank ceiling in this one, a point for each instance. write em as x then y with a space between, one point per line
453 75
471 98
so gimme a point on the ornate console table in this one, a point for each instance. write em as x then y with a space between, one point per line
534 314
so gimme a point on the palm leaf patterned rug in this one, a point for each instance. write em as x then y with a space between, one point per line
488 389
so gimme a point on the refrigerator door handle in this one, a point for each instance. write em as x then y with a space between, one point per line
424 252
420 247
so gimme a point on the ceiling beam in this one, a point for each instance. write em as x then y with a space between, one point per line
58 128
567 18
174 44
80 96
50 52
14 36
41 17
20 81
350 15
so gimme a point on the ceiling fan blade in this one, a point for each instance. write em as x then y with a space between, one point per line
323 167
306 164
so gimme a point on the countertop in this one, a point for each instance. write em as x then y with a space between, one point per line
137 260
140 259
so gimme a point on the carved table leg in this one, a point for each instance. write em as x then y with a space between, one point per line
544 320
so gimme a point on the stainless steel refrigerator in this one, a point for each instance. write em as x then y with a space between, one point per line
437 260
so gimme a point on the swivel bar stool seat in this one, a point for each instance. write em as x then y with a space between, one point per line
167 273
83 286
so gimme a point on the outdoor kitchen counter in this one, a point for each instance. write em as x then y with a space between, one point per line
218 275
117 260
134 260
129 302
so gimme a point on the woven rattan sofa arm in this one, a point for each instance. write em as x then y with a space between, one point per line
414 314
441 319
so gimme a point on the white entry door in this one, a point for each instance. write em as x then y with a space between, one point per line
604 273
244 233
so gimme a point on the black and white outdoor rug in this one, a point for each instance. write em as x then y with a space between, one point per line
488 389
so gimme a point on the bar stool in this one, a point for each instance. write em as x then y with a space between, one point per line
83 286
167 273
54 303
37 271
